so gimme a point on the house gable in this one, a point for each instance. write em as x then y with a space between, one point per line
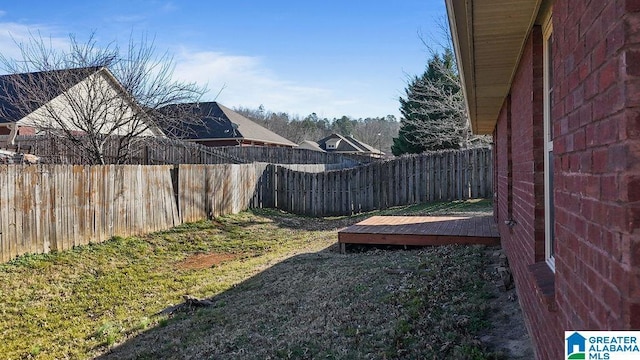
347 144
103 104
14 86
79 100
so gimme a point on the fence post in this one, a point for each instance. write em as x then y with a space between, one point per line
175 173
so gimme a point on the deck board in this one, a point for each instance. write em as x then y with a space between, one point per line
422 230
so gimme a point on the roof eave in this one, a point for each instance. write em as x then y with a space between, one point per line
292 144
488 39
464 61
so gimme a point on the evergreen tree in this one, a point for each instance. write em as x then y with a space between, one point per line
343 126
433 110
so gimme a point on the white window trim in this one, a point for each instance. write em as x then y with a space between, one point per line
548 147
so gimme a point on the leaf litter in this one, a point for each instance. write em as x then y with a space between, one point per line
371 303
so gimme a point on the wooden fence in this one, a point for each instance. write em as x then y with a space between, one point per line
441 176
207 191
56 207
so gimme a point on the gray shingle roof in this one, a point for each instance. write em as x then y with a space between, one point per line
366 147
310 145
220 122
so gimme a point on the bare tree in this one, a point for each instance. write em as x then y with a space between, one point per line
434 115
291 127
93 97
377 132
435 106
279 123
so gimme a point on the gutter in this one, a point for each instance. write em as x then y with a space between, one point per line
456 49
243 139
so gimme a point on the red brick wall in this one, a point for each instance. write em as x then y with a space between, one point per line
596 119
520 129
26 130
597 156
502 153
629 184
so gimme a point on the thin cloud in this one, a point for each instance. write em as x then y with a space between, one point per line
169 7
164 8
12 34
240 80
128 18
245 81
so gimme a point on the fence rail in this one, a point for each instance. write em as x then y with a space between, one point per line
164 151
280 155
144 151
56 207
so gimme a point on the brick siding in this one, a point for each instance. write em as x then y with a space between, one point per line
520 128
596 120
594 115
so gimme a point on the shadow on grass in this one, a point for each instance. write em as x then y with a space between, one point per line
374 304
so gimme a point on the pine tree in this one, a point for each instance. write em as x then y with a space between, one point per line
433 110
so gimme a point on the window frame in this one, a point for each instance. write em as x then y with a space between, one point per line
549 216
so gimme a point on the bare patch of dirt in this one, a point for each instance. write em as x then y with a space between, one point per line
506 335
205 261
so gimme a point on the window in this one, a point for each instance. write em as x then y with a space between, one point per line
548 145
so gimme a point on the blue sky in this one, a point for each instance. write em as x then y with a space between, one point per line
330 57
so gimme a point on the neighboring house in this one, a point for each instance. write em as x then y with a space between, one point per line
310 145
557 83
58 91
336 143
221 126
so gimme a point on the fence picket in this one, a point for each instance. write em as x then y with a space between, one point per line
5 237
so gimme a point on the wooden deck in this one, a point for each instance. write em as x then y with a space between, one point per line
421 231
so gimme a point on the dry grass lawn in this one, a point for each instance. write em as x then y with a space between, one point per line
278 288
